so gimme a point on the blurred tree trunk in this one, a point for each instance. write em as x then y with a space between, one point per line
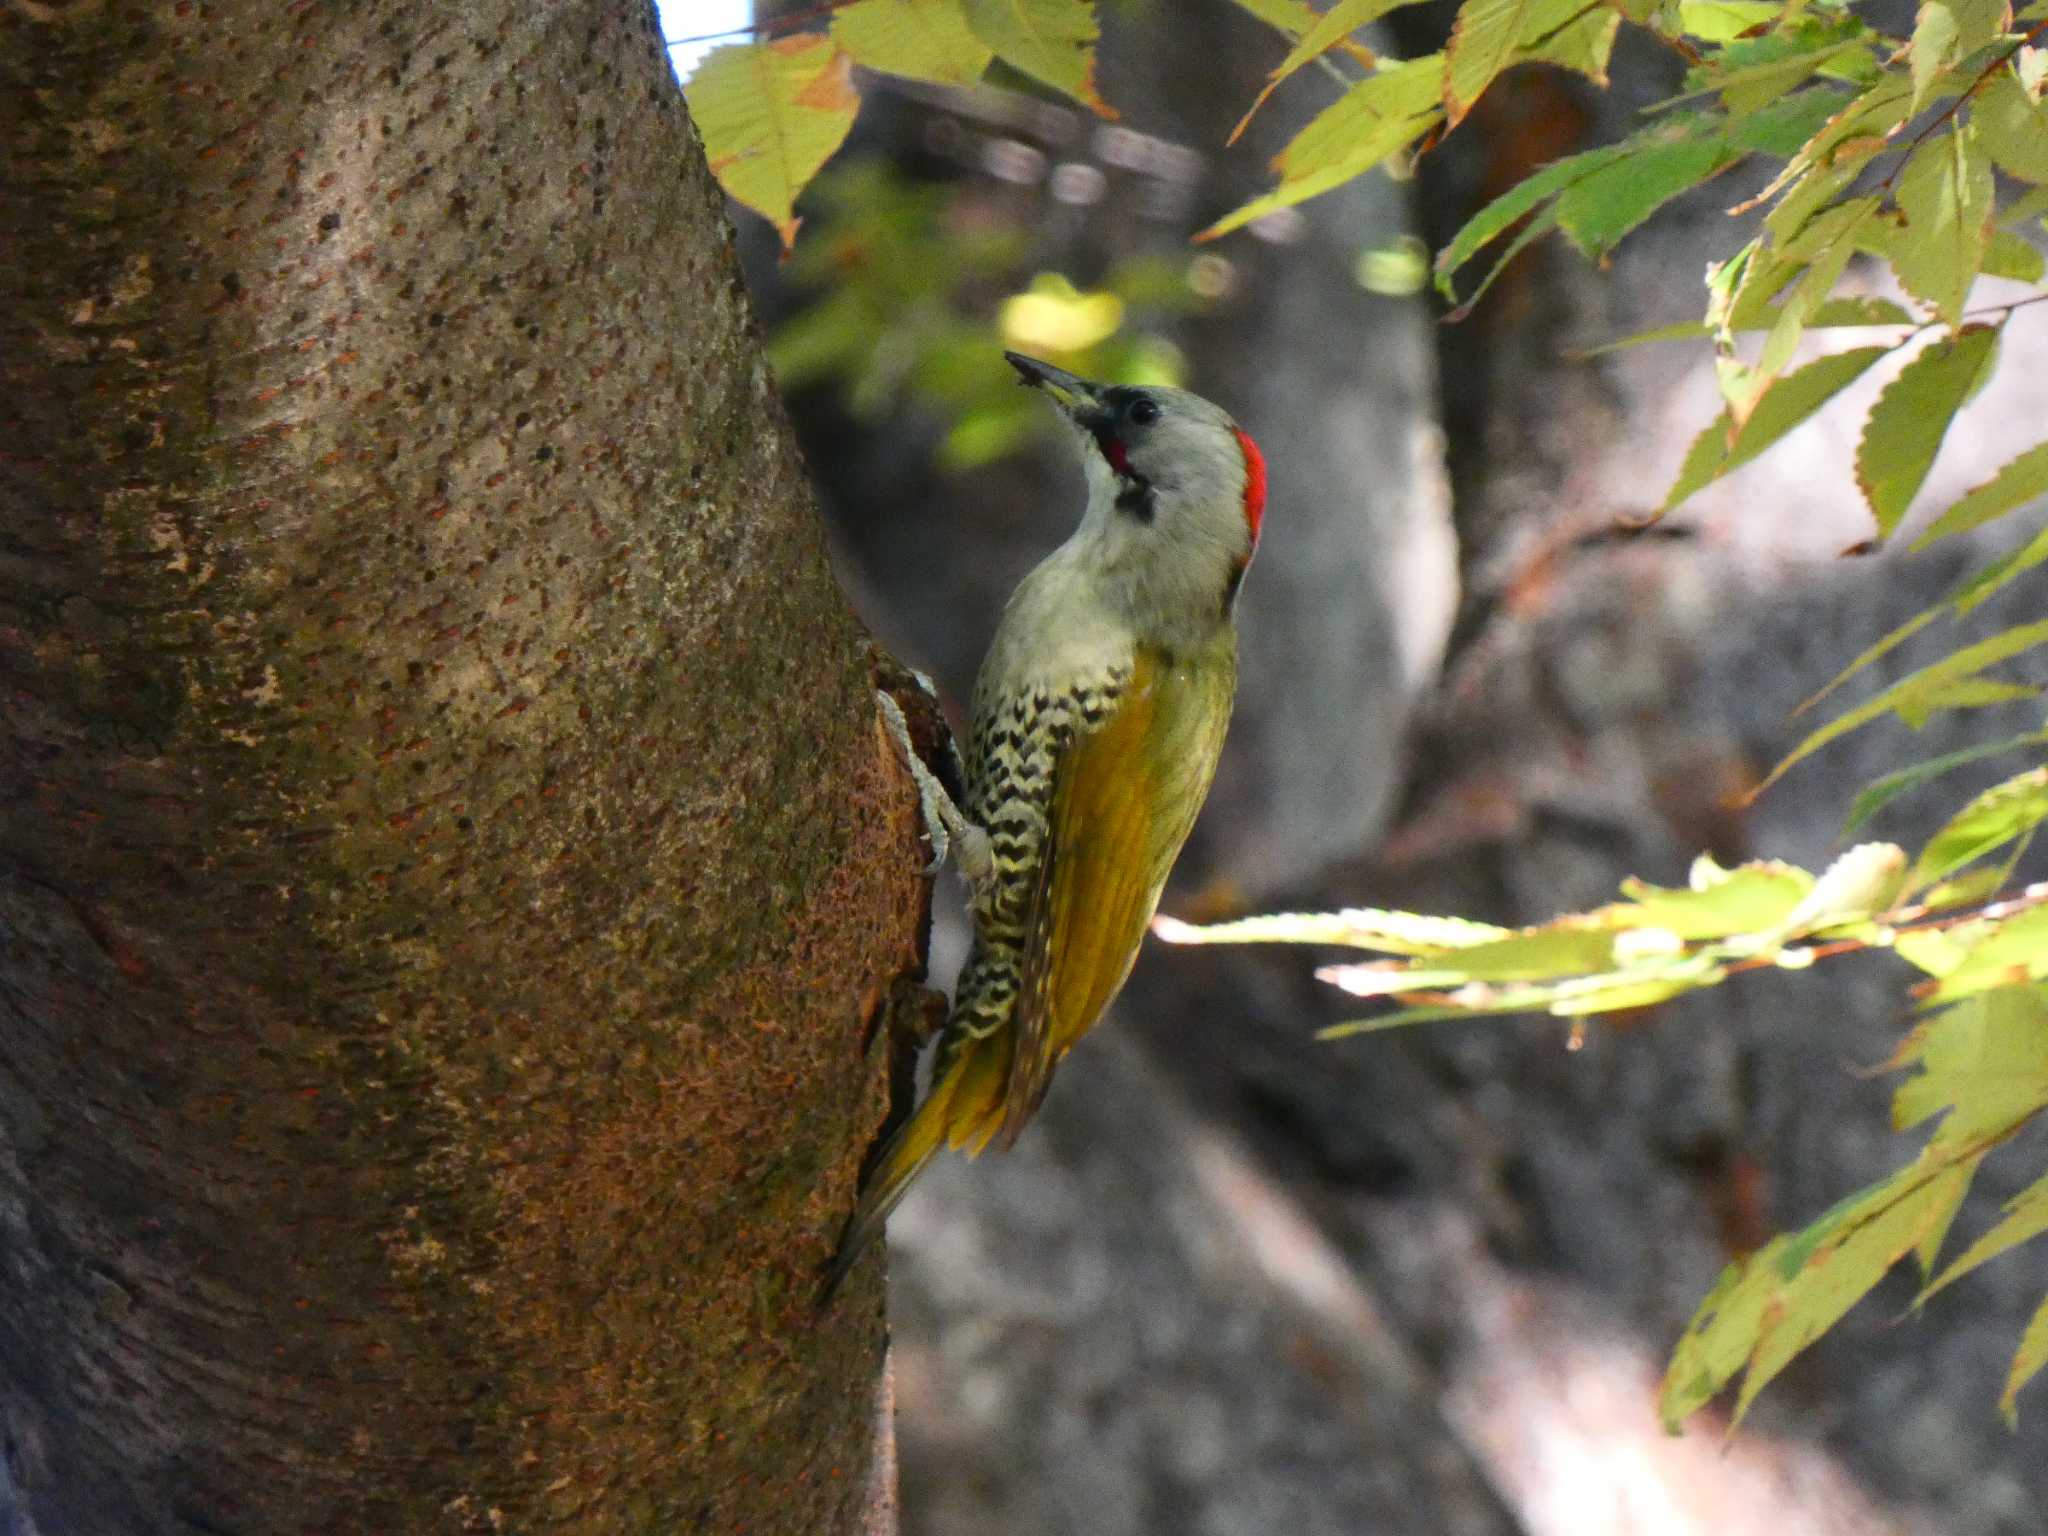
448 866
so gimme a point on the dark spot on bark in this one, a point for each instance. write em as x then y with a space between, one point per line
437 318
232 284
330 222
544 453
521 420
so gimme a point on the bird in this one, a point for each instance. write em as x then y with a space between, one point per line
1099 715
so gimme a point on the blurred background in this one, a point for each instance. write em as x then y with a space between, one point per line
1235 1281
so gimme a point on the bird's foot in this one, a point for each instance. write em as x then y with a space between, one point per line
948 828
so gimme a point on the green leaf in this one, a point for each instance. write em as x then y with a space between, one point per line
2014 256
1582 45
1752 899
2026 1364
918 39
1768 1307
2005 568
1912 416
1877 795
2012 952
1597 210
2025 1218
772 114
1483 39
1945 192
1993 819
2013 128
1052 41
1930 683
2017 484
1723 21
1511 206
1782 406
1375 119
1947 32
1324 33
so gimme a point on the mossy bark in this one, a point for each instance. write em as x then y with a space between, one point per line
448 863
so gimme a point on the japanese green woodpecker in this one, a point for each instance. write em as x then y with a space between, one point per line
1099 714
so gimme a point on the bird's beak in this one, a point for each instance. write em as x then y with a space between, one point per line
1077 397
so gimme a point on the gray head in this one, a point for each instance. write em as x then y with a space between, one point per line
1176 489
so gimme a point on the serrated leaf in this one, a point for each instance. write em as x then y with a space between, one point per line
918 39
1052 41
1875 796
1754 898
1395 933
1930 682
1597 210
1912 416
1947 32
2012 952
1500 215
1582 45
1945 193
2014 486
2025 1217
1783 405
1769 1307
2026 1364
2014 256
1485 38
772 113
2005 568
1996 817
1323 33
2012 127
1374 120
1723 21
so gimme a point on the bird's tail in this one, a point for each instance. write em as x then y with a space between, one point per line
963 1109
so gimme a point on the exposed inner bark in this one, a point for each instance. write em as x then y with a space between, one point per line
447 856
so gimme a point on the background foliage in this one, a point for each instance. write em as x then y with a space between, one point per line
1926 151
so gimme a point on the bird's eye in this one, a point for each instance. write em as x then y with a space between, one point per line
1143 412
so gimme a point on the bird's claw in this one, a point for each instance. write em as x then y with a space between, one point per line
948 829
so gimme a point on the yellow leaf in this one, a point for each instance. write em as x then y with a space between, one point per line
772 113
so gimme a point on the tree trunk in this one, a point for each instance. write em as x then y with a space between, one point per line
448 864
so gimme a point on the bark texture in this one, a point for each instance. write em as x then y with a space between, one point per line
448 862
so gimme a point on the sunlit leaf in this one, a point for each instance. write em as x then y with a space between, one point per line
2022 481
1912 416
1597 210
1500 215
1375 119
1722 21
1993 819
1582 45
1929 683
1876 796
1323 33
1398 933
1752 899
2025 1217
1946 32
2007 567
1783 405
2013 127
2014 256
1052 41
1945 192
2026 1364
2013 952
919 39
771 114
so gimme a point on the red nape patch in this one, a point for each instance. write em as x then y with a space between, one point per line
1254 483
